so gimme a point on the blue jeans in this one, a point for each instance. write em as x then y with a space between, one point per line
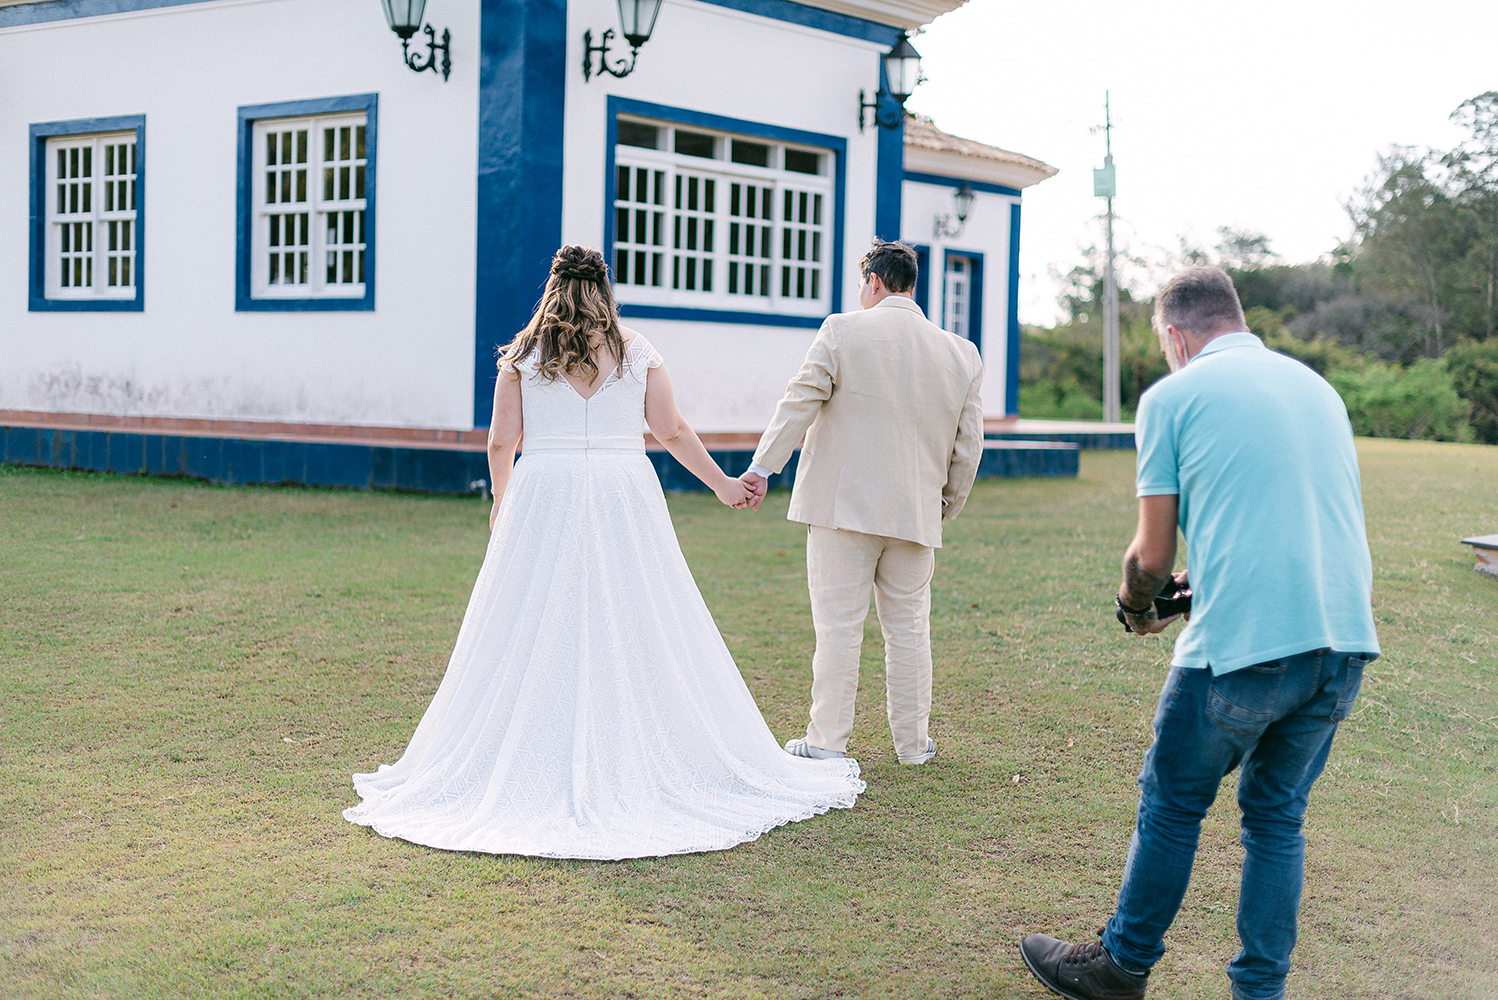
1274 719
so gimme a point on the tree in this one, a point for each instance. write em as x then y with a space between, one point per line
1474 175
1410 235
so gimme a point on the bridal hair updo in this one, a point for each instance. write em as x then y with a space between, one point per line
577 313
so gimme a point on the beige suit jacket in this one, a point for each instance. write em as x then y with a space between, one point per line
889 406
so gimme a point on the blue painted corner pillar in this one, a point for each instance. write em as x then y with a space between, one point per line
890 174
522 87
1011 352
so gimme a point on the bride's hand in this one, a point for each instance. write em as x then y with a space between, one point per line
494 513
734 493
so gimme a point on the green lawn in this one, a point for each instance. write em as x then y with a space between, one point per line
189 674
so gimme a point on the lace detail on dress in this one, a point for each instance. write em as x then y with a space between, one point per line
641 351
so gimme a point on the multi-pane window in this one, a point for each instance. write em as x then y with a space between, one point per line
309 235
695 205
707 219
92 194
640 226
801 241
956 295
749 238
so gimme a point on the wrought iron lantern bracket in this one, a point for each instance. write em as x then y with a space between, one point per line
620 71
432 48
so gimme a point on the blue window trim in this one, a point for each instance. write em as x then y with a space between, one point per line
40 133
522 50
244 202
941 180
1011 351
67 10
836 144
923 278
975 293
814 17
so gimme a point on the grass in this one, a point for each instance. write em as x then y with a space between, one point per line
189 674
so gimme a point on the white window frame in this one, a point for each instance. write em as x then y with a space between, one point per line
806 239
85 215
957 295
348 210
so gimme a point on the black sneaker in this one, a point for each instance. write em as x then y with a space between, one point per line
1080 971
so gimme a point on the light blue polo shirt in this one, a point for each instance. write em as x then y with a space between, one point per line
1258 449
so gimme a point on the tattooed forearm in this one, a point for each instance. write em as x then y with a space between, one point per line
1139 586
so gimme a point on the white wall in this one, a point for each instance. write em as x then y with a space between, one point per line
727 376
189 354
987 232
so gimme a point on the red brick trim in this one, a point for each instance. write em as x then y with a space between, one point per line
274 430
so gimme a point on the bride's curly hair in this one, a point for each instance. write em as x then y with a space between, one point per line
577 306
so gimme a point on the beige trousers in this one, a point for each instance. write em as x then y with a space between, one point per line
841 568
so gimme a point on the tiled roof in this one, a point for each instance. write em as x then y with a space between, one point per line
922 133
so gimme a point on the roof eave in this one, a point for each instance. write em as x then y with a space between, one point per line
904 14
1015 171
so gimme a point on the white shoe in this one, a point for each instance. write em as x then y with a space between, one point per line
801 748
921 758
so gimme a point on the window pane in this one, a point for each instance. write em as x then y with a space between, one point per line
637 134
754 154
803 162
695 144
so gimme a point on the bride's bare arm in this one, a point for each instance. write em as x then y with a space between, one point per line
682 442
504 434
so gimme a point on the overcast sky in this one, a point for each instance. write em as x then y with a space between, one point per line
1263 116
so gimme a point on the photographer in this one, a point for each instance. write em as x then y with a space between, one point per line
1250 452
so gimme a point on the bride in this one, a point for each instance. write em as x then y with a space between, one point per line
590 708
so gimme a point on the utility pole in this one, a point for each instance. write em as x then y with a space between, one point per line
1105 185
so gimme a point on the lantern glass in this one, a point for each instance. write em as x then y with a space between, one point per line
964 198
637 18
902 67
404 16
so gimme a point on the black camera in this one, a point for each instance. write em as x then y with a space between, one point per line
1174 601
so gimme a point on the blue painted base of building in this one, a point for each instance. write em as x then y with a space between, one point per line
247 461
1090 442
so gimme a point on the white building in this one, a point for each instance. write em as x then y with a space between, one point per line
250 220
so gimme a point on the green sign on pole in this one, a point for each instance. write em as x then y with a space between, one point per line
1104 182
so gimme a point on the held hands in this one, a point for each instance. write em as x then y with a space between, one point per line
734 493
758 486
743 493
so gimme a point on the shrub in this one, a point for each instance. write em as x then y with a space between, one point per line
1058 400
1389 400
1321 354
1474 375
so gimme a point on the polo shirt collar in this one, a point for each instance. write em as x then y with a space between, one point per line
1228 341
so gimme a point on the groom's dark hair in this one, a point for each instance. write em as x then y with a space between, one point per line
894 262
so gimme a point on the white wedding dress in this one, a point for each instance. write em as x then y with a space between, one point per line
590 708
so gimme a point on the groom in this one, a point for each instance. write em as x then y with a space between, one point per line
889 406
